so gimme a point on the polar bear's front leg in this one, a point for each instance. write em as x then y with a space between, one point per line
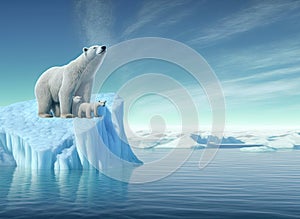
65 99
80 110
85 90
88 112
44 99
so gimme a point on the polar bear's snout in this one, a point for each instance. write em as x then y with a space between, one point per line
101 49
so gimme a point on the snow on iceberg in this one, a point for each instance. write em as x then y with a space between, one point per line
146 139
284 140
38 143
275 138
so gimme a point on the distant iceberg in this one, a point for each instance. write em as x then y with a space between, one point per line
226 142
205 139
250 140
259 149
37 143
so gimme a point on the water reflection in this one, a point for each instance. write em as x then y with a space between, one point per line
47 191
6 178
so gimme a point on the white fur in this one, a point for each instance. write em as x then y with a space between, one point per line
75 105
77 99
57 86
89 108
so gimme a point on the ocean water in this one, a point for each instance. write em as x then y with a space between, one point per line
236 184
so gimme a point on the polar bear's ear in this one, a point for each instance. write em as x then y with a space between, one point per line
85 49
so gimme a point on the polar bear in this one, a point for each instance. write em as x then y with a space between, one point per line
56 87
89 108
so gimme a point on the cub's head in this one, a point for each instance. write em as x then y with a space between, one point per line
101 103
94 52
100 108
77 99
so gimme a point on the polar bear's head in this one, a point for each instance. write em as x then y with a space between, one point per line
93 52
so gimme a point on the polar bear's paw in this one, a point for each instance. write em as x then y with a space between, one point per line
69 115
45 115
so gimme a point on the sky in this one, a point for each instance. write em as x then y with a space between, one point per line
252 46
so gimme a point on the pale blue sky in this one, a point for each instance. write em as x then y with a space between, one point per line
252 46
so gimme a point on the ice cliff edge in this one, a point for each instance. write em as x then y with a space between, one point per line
38 143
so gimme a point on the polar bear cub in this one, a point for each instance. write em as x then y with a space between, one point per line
90 109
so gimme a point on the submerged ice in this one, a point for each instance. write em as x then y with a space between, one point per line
38 143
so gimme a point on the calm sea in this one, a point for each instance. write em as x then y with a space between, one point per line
235 185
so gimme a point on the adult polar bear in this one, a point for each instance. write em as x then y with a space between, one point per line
57 86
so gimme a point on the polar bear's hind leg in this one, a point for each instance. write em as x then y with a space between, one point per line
44 110
44 104
45 115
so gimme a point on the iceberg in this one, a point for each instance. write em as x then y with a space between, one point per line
259 149
226 142
31 142
146 139
297 147
232 139
204 139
